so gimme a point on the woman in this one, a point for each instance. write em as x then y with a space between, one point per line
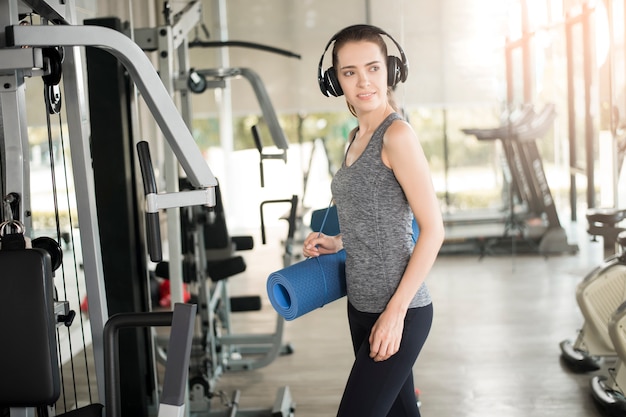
382 184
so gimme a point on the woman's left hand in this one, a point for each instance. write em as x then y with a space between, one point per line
386 335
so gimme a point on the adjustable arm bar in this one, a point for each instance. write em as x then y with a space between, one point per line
263 156
156 202
271 119
143 74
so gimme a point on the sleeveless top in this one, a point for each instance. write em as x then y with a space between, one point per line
375 220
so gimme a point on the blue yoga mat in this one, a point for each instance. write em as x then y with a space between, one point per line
307 285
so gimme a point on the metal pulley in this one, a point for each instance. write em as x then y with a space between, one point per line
53 68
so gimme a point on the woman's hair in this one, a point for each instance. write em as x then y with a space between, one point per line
358 33
362 33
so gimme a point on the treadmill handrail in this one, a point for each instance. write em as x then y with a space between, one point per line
506 129
538 126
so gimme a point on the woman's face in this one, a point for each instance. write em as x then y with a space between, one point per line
362 74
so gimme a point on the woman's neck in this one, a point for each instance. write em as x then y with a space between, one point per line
369 121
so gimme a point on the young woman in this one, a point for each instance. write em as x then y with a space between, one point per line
382 184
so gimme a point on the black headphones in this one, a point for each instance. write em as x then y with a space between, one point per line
397 68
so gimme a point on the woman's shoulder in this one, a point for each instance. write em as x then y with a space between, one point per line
399 130
399 144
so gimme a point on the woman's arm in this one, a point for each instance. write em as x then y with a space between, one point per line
405 156
403 153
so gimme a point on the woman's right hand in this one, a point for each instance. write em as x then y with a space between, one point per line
317 244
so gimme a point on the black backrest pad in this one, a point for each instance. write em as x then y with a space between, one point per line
29 372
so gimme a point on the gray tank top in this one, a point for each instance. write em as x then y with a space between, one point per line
375 221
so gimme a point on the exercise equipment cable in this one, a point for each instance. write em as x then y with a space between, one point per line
198 43
56 110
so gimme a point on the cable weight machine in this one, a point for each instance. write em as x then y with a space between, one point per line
22 56
205 259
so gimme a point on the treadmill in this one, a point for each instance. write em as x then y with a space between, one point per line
531 223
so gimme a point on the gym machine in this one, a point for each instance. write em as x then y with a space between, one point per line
22 56
207 266
30 377
598 296
207 258
605 222
536 225
610 391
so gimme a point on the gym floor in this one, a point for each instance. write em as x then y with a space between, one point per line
493 350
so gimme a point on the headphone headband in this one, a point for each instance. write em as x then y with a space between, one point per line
327 80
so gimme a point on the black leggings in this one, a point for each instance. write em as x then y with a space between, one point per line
379 389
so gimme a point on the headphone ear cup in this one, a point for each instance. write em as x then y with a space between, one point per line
332 83
321 80
394 71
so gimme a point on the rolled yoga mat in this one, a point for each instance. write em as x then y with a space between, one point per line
307 285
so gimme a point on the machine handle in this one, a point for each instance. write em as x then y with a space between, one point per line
153 223
294 202
259 146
